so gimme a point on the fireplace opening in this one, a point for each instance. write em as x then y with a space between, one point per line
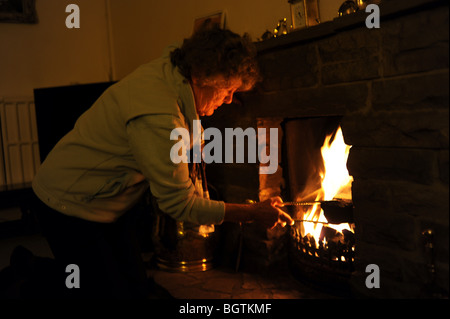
321 243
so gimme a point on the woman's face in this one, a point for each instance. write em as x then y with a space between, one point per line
211 93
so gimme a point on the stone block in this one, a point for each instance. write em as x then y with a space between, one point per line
268 124
349 71
356 44
289 68
233 115
263 249
386 198
402 275
415 43
245 175
333 100
393 231
394 214
389 289
443 166
431 58
393 164
401 267
413 129
369 196
236 193
429 202
423 92
349 56
271 181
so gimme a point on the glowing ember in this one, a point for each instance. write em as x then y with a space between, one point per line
336 184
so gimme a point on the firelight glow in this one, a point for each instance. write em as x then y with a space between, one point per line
336 183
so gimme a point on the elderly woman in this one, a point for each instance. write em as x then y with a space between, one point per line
120 147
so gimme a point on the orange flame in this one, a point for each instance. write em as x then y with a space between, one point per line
336 183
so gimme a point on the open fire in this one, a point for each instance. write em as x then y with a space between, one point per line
322 246
336 184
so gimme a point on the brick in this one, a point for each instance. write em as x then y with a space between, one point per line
418 129
411 93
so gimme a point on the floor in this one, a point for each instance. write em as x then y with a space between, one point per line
34 243
226 284
216 283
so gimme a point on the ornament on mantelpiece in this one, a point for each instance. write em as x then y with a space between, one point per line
304 13
281 28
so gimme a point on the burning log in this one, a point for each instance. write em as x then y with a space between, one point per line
349 237
338 211
331 235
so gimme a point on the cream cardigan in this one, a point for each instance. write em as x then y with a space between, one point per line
121 146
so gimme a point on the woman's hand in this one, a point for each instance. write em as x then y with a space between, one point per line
266 213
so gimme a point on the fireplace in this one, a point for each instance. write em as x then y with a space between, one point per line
321 243
389 89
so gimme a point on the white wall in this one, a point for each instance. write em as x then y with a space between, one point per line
141 29
48 54
329 9
43 55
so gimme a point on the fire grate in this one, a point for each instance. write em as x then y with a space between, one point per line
337 253
327 263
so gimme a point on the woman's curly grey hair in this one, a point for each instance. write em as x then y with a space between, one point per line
213 51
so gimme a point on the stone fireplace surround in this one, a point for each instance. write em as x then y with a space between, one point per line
390 85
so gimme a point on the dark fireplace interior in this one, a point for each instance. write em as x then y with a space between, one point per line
388 88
